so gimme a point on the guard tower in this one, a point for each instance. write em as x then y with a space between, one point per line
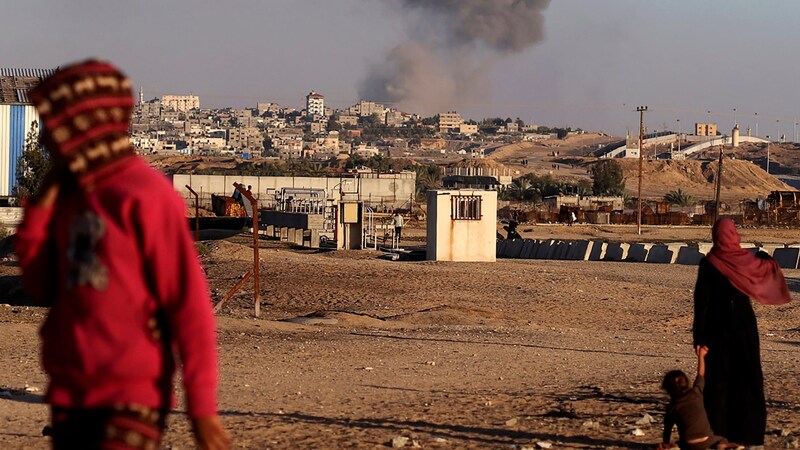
462 225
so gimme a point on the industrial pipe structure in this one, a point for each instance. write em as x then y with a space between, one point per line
256 290
196 213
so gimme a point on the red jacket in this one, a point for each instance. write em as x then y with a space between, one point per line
107 262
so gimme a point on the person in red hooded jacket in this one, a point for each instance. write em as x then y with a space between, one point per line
105 245
724 321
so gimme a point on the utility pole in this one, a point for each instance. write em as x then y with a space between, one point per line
641 110
719 183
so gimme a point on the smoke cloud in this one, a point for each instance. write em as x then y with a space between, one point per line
448 62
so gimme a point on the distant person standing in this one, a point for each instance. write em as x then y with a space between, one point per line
572 218
237 195
104 244
724 321
397 222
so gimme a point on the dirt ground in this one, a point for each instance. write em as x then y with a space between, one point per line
352 350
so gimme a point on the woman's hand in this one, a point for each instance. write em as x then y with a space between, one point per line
210 434
48 192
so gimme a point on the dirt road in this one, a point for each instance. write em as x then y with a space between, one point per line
448 355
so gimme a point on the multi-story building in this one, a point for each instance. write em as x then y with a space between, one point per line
17 116
365 108
347 119
289 148
329 142
315 104
149 109
468 129
270 108
242 137
705 129
450 121
180 102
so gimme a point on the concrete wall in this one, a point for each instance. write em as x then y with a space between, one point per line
463 240
393 190
10 217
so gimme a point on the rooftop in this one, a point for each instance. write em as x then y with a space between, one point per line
15 83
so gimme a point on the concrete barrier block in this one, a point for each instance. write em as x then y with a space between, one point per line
527 248
580 250
617 251
515 248
543 249
704 247
787 257
552 251
501 249
770 248
675 247
561 250
689 256
598 251
659 254
298 236
638 252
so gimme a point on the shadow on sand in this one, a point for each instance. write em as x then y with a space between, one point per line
448 431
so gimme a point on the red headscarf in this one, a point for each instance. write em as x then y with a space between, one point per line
760 279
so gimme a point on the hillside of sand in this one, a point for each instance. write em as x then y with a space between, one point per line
741 179
743 174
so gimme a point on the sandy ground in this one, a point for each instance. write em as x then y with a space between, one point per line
450 355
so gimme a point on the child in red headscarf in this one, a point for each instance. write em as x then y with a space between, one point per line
105 244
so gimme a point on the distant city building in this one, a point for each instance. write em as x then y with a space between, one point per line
182 103
150 108
511 127
17 114
315 104
450 121
468 129
268 108
347 119
366 108
705 129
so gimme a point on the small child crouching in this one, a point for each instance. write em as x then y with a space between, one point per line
686 410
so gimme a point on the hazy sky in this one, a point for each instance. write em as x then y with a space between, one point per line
598 59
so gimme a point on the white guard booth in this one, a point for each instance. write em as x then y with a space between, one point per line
462 225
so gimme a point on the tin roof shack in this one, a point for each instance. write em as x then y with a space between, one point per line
470 182
591 203
784 207
462 225
592 209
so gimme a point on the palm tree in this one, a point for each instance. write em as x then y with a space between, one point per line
521 188
679 198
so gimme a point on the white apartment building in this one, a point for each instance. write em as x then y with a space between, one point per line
180 102
315 104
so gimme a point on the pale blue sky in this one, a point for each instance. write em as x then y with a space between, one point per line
598 61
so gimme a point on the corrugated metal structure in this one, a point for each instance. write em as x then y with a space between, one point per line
15 121
16 116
